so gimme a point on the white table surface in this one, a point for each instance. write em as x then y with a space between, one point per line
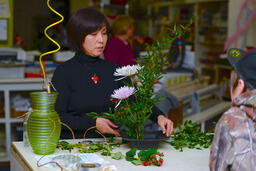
188 160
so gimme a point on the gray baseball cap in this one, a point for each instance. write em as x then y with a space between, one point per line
244 63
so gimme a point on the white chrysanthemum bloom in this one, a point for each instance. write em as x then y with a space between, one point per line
127 70
123 92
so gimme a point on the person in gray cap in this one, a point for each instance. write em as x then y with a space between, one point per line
234 144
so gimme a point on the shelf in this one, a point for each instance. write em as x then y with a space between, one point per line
12 120
215 27
162 22
184 2
4 159
115 6
211 44
9 86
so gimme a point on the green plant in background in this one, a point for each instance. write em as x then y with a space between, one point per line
134 102
190 136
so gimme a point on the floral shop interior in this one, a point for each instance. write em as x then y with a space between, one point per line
154 83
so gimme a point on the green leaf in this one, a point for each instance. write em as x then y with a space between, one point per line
190 136
131 152
111 139
94 147
106 153
117 156
145 155
136 162
154 95
130 159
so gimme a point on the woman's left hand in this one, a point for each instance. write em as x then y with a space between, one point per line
165 124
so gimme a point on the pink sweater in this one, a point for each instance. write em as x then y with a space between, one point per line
119 52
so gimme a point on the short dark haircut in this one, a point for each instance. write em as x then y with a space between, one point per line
83 22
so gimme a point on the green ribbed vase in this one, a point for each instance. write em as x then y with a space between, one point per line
43 123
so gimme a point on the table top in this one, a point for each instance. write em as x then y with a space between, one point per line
188 160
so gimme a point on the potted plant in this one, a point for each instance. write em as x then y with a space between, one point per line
135 100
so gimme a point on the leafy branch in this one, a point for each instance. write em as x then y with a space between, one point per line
133 112
190 136
145 157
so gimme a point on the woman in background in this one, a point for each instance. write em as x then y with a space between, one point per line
234 144
86 82
119 49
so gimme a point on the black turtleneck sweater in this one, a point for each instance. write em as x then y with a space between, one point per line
78 94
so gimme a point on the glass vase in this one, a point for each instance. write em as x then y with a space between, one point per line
43 125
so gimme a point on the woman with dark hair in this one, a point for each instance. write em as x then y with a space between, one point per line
234 143
86 82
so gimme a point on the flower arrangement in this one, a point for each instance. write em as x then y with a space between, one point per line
135 100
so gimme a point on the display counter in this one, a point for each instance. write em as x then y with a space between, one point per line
189 160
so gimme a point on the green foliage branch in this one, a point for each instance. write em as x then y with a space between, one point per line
190 136
133 112
144 157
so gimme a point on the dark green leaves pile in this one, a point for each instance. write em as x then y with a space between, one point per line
145 157
190 136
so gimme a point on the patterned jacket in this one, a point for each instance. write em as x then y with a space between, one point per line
234 144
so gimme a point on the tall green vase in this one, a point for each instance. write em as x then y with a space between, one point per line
44 125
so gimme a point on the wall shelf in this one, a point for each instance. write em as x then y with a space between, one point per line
13 85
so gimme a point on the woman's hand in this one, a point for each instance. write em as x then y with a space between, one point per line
106 126
165 124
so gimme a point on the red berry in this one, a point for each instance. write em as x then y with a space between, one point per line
149 163
154 160
154 156
145 163
162 155
159 153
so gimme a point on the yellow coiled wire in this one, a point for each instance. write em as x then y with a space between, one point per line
56 43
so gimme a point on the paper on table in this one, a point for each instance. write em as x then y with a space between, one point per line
70 160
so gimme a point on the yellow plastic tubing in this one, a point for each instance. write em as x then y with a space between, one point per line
45 33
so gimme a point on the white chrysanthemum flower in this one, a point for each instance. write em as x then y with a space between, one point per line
127 70
123 92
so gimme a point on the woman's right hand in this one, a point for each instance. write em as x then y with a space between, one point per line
105 126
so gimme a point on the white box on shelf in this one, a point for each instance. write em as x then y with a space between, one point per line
12 70
173 79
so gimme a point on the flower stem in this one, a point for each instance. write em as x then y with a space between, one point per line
128 107
135 89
